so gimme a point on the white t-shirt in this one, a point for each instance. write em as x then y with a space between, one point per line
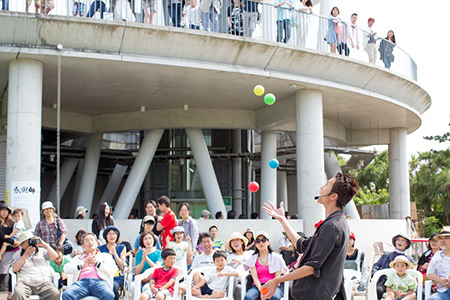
181 251
202 260
218 283
239 260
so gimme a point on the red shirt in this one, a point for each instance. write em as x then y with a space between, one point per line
169 222
162 277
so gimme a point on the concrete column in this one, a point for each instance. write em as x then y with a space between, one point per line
398 174
68 167
113 183
282 194
237 172
90 169
23 153
137 174
325 7
310 165
332 167
205 167
268 184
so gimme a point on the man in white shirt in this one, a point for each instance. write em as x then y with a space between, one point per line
205 259
370 41
353 31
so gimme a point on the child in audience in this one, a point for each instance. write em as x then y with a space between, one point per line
214 284
58 265
162 281
18 228
400 285
182 248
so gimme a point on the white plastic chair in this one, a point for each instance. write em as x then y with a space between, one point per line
372 288
70 282
32 297
428 285
138 281
206 270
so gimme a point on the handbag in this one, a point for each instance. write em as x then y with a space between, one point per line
67 244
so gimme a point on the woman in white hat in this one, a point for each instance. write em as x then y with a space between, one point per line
51 229
264 265
237 244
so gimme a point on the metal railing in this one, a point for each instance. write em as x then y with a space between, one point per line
269 22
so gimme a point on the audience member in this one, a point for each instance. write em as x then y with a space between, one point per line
242 216
162 280
353 31
209 14
231 215
77 248
204 259
334 30
91 271
250 16
150 208
250 235
235 19
217 244
342 47
148 256
189 224
400 285
182 248
214 283
401 244
101 221
175 9
117 251
18 229
204 215
286 249
33 260
303 20
123 11
264 265
439 268
254 216
6 228
237 243
370 41
150 9
81 212
356 260
284 8
148 223
424 260
96 5
192 15
167 223
58 265
51 229
387 48
219 215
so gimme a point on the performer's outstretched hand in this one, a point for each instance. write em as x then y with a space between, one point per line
271 286
272 211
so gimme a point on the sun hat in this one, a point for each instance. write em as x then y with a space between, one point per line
233 236
205 213
25 236
264 234
80 210
352 236
403 235
148 219
445 231
108 229
249 230
47 204
4 205
178 229
434 236
403 259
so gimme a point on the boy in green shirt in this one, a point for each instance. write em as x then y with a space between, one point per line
400 285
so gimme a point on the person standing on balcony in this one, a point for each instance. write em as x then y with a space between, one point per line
305 8
284 20
209 14
353 31
387 48
95 6
250 16
175 10
192 15
334 32
149 13
370 41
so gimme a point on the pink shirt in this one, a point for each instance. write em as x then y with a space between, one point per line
263 273
89 272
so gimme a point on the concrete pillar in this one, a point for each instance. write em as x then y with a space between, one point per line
325 7
237 172
68 167
205 168
282 193
310 165
398 174
137 174
113 183
332 167
268 184
90 169
23 153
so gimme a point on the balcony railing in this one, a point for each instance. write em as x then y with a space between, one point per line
270 23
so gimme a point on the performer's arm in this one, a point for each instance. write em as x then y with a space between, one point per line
271 285
278 214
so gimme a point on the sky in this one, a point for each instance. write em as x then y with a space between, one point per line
419 29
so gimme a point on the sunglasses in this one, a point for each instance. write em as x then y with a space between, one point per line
263 240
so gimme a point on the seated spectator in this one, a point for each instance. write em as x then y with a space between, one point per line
204 215
81 212
356 260
439 268
91 271
167 223
231 215
237 243
18 229
400 285
162 281
58 265
242 216
217 244
189 224
182 248
148 224
424 261
264 265
206 258
219 215
33 260
77 248
286 250
148 256
401 244
117 251
249 234
254 216
214 283
102 220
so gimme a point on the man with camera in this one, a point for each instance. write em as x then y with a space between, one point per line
34 273
91 270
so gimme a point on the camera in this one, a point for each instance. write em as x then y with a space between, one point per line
34 241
